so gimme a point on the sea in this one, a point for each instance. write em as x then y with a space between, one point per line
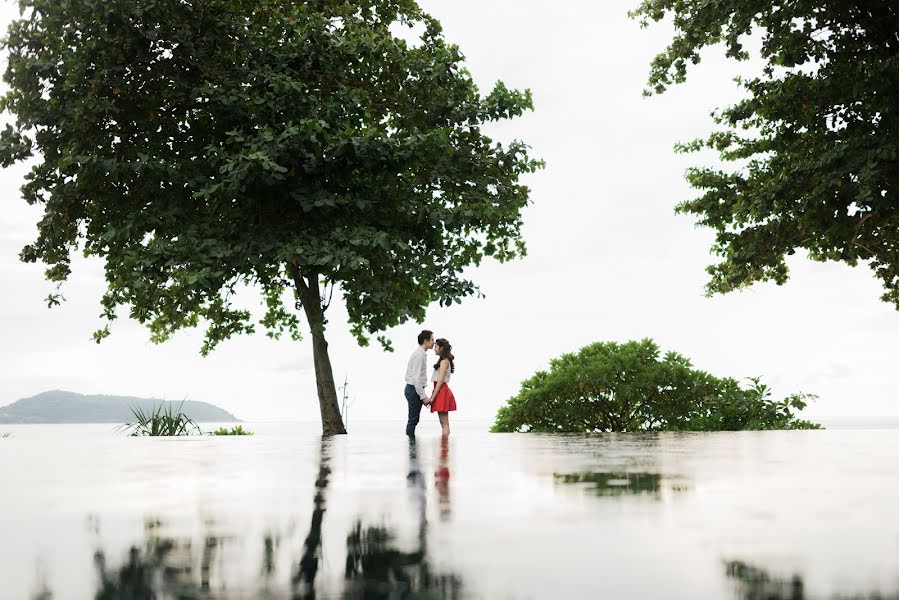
87 512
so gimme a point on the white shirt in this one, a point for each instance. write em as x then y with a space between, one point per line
417 372
436 373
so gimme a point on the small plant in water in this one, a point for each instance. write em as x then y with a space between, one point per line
162 420
236 430
344 406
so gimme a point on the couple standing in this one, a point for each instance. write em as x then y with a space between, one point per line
441 399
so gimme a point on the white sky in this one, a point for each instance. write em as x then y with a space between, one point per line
608 258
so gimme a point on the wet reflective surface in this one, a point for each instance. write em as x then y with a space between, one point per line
87 513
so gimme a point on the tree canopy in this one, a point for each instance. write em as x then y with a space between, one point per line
197 147
612 387
814 146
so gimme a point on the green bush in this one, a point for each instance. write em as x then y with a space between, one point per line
236 430
162 420
608 386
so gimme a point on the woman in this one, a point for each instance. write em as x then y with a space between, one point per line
442 400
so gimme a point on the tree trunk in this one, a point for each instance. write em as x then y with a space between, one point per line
310 296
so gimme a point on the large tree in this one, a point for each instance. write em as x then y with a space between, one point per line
815 143
201 147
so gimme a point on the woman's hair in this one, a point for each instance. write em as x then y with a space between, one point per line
445 350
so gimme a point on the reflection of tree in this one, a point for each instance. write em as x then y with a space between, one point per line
376 568
304 580
754 583
163 567
620 483
269 548
43 591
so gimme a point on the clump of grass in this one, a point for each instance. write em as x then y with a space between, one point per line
236 430
162 420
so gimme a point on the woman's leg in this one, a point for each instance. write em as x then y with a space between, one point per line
444 422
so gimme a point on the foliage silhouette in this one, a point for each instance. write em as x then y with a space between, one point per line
813 147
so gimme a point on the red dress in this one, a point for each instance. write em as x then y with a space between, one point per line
445 401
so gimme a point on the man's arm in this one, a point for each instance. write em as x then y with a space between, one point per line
422 374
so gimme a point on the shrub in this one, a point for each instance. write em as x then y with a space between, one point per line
608 386
236 430
162 420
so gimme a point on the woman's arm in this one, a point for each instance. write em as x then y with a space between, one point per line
441 375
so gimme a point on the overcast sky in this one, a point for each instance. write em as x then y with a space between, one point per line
608 258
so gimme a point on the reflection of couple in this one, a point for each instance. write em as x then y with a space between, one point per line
418 487
441 399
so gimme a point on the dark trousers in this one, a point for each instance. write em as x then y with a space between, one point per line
415 405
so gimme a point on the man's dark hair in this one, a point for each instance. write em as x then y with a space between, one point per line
424 336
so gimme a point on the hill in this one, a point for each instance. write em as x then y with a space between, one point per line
68 407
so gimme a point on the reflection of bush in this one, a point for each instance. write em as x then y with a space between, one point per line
632 387
754 583
617 484
375 568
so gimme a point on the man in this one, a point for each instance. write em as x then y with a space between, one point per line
417 379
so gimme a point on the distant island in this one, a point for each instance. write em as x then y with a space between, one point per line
68 407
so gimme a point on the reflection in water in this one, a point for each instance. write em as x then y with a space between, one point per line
376 568
622 483
820 505
442 476
304 581
418 493
42 591
163 568
167 567
753 583
269 548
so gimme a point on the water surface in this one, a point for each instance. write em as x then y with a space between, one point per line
86 513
